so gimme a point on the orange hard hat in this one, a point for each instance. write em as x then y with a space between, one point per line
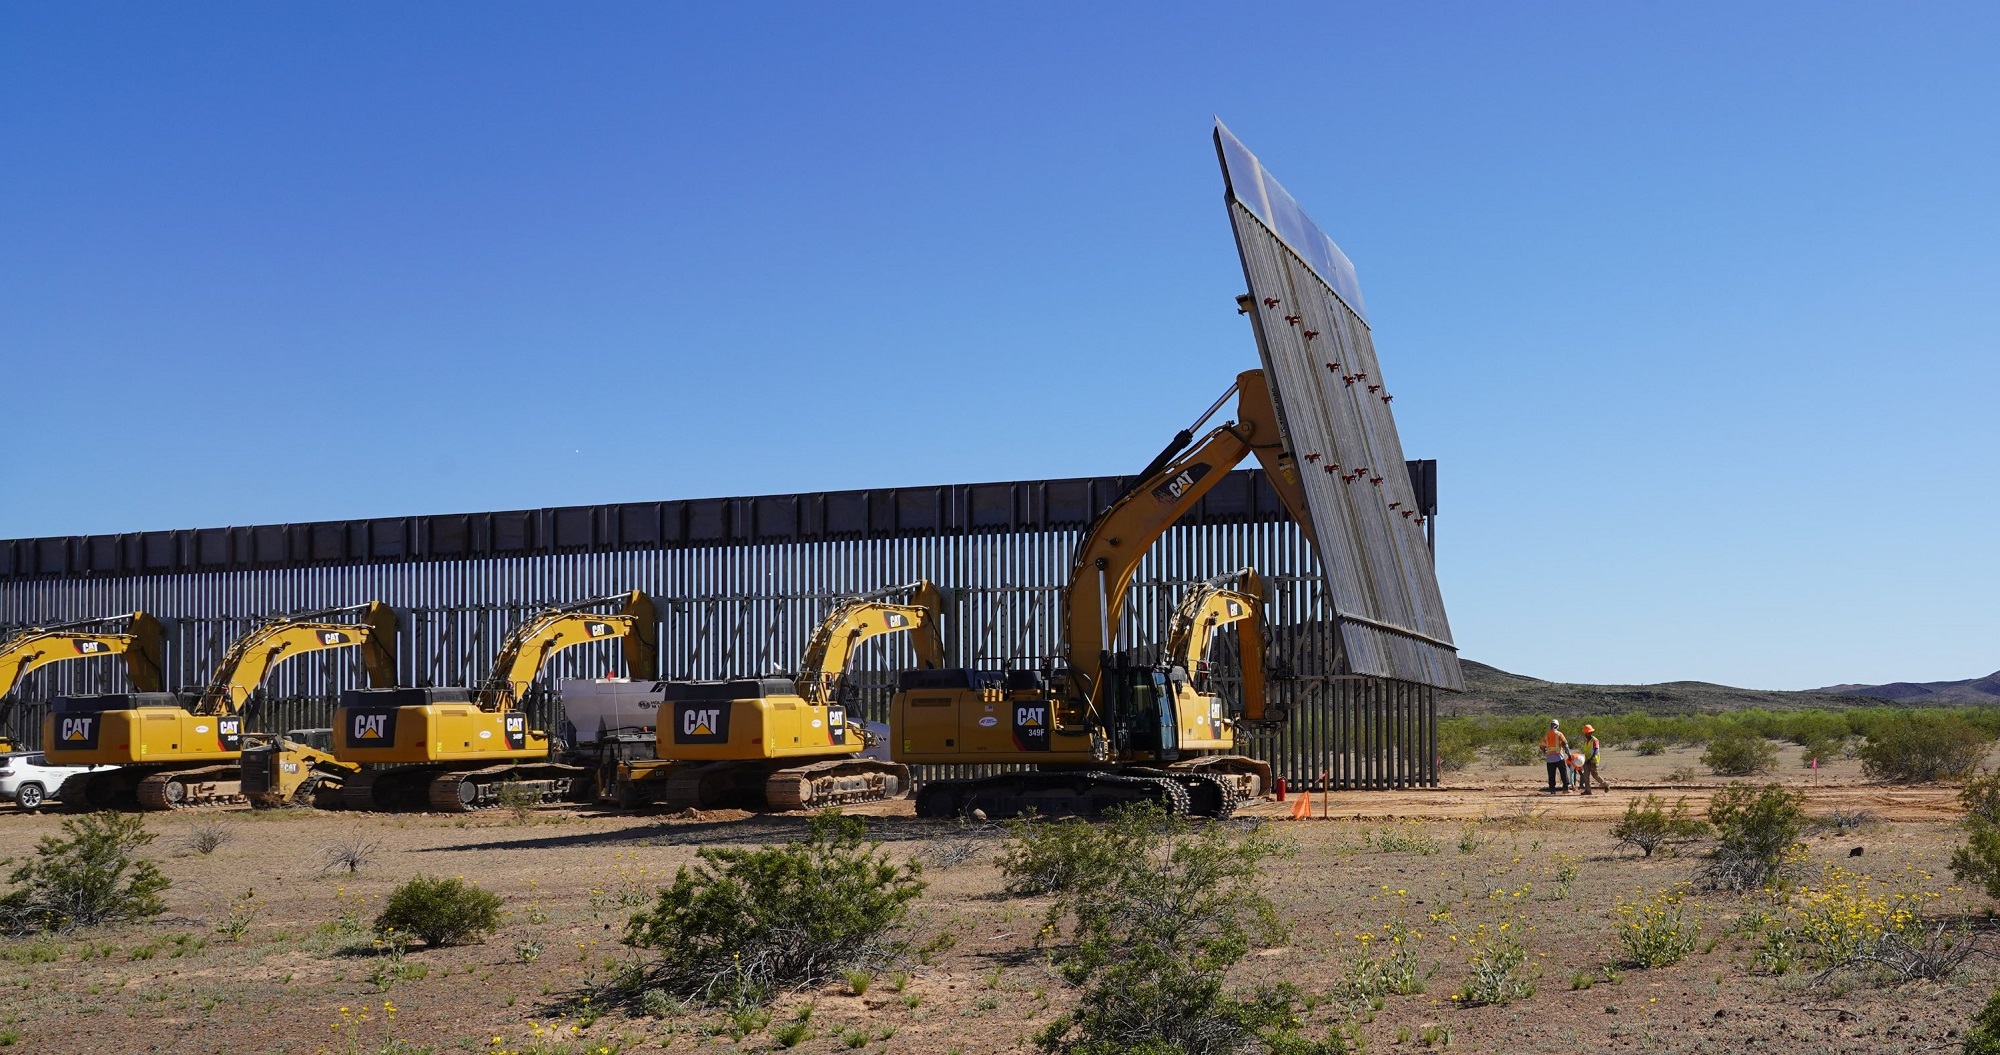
1588 729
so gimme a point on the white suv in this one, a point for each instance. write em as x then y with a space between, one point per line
29 780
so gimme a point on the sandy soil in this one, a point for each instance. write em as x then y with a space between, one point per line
1489 849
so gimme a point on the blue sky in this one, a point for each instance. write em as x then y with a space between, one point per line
1696 304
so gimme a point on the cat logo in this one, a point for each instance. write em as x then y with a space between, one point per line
895 621
1031 728
515 726
332 637
1171 491
78 730
599 629
89 647
370 726
1235 610
701 723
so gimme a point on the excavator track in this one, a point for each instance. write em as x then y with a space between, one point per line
102 790
179 789
835 782
463 791
1056 793
1209 794
428 789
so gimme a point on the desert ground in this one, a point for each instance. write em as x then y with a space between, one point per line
262 950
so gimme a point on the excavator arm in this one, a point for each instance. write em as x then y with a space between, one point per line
1094 599
861 618
1235 599
36 647
531 644
254 655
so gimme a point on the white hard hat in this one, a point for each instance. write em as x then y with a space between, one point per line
1553 723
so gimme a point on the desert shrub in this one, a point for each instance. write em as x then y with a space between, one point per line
1649 824
519 800
1500 972
1408 838
1737 752
742 925
1823 750
1984 1036
1456 748
1659 932
1150 941
350 853
1978 860
1050 857
90 878
440 911
1652 745
1920 748
1757 834
1520 753
207 835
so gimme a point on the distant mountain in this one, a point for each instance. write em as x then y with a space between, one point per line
1984 690
1491 690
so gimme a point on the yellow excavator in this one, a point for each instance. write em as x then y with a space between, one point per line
456 749
173 752
1102 731
297 767
136 636
784 743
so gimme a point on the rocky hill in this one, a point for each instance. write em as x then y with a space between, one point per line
1975 691
1490 690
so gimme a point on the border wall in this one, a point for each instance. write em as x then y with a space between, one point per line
740 583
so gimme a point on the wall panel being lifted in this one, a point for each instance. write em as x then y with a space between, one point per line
1334 412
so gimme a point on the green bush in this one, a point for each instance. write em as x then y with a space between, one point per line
1984 1036
90 878
1652 745
743 925
1978 860
440 911
1456 749
1649 825
1757 835
1920 748
1738 752
1050 857
1149 944
1517 754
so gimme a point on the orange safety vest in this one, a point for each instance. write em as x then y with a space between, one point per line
1554 743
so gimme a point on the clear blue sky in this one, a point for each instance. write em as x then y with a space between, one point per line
1697 305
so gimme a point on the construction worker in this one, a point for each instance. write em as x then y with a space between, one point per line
1590 761
1555 751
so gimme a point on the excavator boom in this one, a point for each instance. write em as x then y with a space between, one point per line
1234 599
1094 599
861 618
529 646
36 647
253 656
